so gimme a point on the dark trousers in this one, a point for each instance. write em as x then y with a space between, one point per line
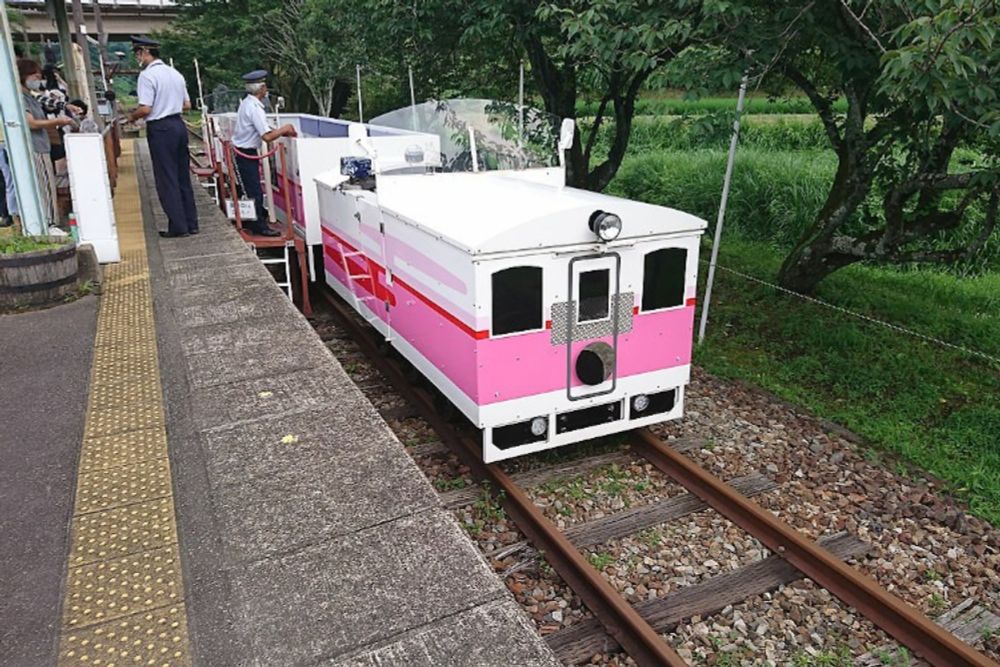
250 175
168 148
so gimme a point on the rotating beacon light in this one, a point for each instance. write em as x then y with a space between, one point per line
607 226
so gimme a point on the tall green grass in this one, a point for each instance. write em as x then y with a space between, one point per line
773 198
935 406
775 133
656 106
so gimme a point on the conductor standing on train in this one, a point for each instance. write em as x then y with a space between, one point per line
162 97
251 129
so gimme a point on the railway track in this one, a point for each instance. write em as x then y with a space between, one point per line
636 629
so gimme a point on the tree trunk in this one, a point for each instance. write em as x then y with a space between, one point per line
807 265
816 255
341 94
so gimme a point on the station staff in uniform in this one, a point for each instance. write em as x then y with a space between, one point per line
251 129
162 97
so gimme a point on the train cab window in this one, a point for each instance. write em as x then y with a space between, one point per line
517 300
663 279
594 290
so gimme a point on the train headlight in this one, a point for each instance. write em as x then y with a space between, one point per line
539 426
640 403
607 226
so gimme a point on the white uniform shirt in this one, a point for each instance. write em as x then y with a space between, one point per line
251 123
163 88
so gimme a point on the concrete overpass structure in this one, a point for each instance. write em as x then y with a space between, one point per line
121 17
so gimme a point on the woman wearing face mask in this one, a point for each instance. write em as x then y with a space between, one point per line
30 75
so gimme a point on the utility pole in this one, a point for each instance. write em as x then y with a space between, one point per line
81 40
722 210
57 11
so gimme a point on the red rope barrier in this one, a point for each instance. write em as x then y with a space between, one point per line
254 157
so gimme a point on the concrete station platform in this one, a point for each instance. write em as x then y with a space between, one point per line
229 497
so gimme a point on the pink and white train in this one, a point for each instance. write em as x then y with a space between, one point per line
546 314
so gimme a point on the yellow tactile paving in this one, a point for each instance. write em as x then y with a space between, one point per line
110 589
113 451
122 485
123 531
114 394
156 637
124 593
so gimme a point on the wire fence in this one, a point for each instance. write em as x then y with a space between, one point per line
861 316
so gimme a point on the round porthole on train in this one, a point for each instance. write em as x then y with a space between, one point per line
595 363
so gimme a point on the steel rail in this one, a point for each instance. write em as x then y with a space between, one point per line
618 617
901 621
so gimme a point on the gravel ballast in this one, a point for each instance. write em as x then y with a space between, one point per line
923 546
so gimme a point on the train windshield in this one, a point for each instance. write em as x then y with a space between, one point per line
506 137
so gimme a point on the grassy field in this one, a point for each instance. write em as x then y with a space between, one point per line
934 406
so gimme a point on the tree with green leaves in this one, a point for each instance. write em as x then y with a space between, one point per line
607 49
232 37
918 178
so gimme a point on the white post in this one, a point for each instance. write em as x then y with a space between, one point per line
17 141
413 102
520 108
361 108
413 91
722 211
473 151
201 91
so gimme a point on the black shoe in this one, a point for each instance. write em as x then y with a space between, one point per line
6 222
267 232
172 235
192 231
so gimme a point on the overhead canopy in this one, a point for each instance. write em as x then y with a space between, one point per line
494 213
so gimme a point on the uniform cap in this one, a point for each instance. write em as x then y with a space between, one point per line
143 41
256 76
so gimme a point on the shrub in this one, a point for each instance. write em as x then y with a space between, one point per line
678 106
773 197
714 131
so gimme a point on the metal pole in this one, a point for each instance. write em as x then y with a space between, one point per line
413 101
413 92
102 37
361 108
17 142
473 151
722 211
520 108
201 91
57 8
81 40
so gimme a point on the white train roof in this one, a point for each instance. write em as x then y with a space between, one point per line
497 212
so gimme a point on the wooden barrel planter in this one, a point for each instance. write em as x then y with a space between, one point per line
38 277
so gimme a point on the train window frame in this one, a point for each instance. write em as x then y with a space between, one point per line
682 303
579 296
541 300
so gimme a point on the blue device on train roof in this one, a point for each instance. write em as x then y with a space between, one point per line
356 168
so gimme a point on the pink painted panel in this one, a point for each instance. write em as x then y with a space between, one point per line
525 365
428 266
451 349
279 199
